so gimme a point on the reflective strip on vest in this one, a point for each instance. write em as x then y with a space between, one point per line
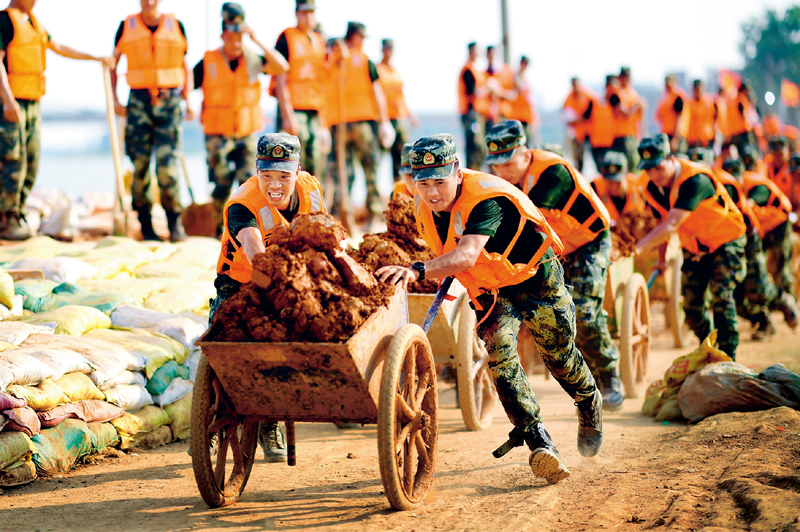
458 222
316 200
266 218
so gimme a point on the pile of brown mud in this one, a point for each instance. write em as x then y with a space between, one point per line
304 288
628 230
399 245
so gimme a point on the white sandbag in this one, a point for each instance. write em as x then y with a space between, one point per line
192 362
61 361
15 332
125 377
15 310
108 359
183 328
58 269
23 369
198 251
176 389
130 397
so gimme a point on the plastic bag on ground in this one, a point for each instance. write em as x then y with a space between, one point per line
129 397
44 396
145 420
103 435
89 411
164 375
171 270
15 332
138 289
155 347
181 413
22 419
78 387
6 289
61 361
155 438
125 377
8 401
176 389
108 358
74 320
74 294
20 368
58 269
728 387
183 328
61 447
15 448
23 474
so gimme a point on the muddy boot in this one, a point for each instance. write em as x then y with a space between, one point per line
787 305
272 442
11 227
545 461
611 390
763 330
146 221
176 232
590 425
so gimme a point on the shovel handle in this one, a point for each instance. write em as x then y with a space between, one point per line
652 279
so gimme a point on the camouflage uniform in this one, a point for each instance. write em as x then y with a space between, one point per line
778 243
19 155
718 272
311 159
361 142
757 292
586 269
222 152
154 125
400 139
473 132
550 316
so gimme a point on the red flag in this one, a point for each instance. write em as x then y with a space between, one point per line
790 93
729 81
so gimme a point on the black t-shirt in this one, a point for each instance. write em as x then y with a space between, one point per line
614 100
469 85
199 72
7 34
692 192
151 28
677 106
553 190
760 195
619 201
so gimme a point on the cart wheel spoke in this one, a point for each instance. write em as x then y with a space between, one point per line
407 432
236 449
222 456
422 389
422 449
405 409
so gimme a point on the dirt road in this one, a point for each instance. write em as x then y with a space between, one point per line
736 471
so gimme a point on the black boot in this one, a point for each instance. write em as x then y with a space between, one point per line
11 227
176 232
590 425
146 221
611 390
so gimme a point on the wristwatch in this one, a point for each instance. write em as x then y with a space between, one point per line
419 267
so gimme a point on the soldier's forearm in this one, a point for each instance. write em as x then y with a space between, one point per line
5 88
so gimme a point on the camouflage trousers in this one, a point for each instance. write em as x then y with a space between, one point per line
473 136
550 316
630 147
229 160
578 153
19 156
154 125
778 243
226 288
586 269
718 273
757 292
361 144
396 150
311 159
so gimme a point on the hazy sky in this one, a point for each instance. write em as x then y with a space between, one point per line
587 38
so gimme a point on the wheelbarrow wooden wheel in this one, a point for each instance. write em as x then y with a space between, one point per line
476 393
219 437
796 264
676 319
408 418
635 337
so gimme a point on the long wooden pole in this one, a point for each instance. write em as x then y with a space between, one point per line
120 206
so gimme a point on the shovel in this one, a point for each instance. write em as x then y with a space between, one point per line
120 227
197 219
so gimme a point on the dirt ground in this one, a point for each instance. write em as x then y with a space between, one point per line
730 472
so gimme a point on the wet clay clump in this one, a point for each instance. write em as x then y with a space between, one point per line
400 244
304 288
628 230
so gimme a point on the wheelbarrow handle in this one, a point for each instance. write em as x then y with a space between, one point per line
437 302
515 439
653 277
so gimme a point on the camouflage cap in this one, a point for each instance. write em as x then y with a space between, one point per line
614 166
702 155
794 163
502 139
735 167
749 155
306 5
652 151
387 43
278 151
232 17
433 157
405 159
355 27
777 143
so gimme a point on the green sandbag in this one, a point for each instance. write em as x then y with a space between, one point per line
34 292
6 289
62 446
72 319
164 375
44 396
154 438
181 413
103 435
147 419
74 294
14 448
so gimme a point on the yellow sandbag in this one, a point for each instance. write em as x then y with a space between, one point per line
78 387
6 345
44 396
181 413
37 247
652 398
145 420
155 438
71 319
171 270
6 289
15 448
670 410
25 473
181 296
139 289
197 251
685 365
155 347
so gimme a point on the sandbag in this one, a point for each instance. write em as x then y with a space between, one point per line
183 328
6 289
125 377
73 294
89 411
40 246
15 311
3 420
78 387
74 320
103 435
153 439
130 397
145 420
170 270
14 332
155 347
728 387
58 269
789 381
197 251
177 388
34 291
9 401
164 375
108 358
23 474
5 346
652 397
181 297
21 368
192 362
61 361
44 396
61 447
685 365
138 289
15 447
181 413
22 419
156 251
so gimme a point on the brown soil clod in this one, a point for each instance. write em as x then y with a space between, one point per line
628 230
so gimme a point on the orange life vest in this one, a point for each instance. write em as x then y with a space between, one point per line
701 120
666 115
308 70
772 126
480 99
26 56
750 218
573 233
601 125
579 102
627 126
769 216
737 121
521 107
401 188
359 99
392 84
310 195
155 59
491 271
781 177
633 201
715 222
722 116
230 101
